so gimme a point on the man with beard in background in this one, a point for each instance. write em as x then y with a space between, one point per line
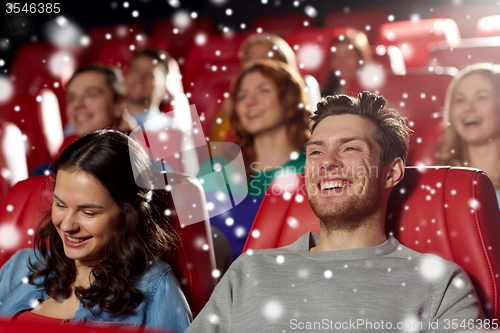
352 277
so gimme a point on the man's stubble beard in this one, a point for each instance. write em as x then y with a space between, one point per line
354 213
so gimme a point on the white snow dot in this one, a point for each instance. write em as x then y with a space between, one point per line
215 273
6 89
229 221
125 4
239 232
310 11
2 62
200 40
432 268
34 303
108 36
256 234
210 206
213 318
205 247
168 212
10 208
9 236
273 309
390 18
135 13
292 222
328 274
299 198
30 231
473 203
280 259
287 196
294 155
229 12
453 192
25 280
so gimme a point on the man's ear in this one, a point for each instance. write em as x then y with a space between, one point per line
394 172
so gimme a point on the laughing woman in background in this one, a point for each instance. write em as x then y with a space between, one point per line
472 121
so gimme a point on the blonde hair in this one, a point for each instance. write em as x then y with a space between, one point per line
451 148
278 44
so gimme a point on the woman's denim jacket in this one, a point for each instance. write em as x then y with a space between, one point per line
164 305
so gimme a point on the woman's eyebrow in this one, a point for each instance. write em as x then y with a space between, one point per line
79 206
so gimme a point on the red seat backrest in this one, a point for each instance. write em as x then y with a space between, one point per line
283 24
466 16
22 110
478 50
425 154
218 49
13 165
418 97
416 38
100 36
359 19
19 326
33 65
28 202
180 38
450 212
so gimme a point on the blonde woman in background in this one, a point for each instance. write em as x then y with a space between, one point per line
472 121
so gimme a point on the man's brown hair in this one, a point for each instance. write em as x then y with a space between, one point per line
393 133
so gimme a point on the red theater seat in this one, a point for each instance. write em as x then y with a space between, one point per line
488 26
416 38
18 326
27 202
42 63
425 153
367 21
418 97
13 166
470 52
281 25
466 16
211 89
22 110
180 38
217 49
100 36
433 210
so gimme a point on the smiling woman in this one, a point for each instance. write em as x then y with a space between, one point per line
472 119
109 245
